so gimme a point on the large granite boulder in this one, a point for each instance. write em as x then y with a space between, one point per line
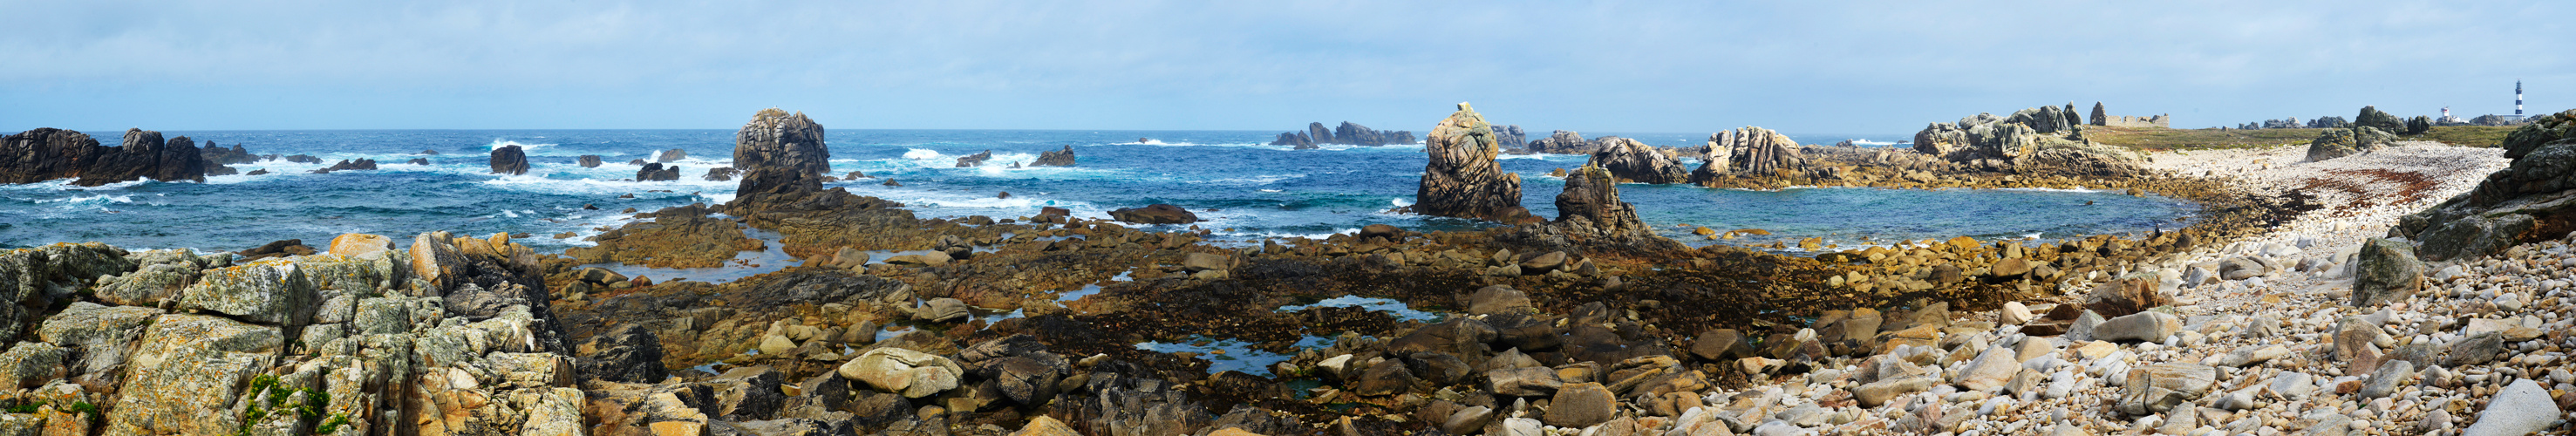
184 363
2042 140
2334 143
1561 142
2387 272
1462 180
780 156
1752 151
271 291
1630 160
1591 199
1511 137
48 154
2372 117
509 159
1058 158
2532 199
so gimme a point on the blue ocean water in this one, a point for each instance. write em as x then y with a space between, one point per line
1244 189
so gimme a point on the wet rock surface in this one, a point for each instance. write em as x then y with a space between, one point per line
49 154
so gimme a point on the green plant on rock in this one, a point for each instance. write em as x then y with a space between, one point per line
333 425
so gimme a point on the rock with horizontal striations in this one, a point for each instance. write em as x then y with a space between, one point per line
1461 179
273 292
509 159
1155 214
1058 158
1634 161
781 156
1524 382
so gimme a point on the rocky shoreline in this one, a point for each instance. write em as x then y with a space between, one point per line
2244 322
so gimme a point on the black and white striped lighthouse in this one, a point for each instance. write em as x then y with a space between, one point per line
2517 99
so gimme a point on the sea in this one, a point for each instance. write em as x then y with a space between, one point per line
1245 190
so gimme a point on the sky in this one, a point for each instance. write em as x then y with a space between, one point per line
1643 66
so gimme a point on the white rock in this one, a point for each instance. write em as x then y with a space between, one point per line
2522 408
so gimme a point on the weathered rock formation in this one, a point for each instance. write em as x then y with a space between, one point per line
1462 180
1591 200
1347 134
2045 139
1562 142
1630 160
780 155
1750 151
1059 158
1512 138
2534 199
671 155
976 159
509 159
2099 116
590 161
2334 143
655 172
47 154
720 174
2372 117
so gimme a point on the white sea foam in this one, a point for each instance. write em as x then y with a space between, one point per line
92 199
1401 202
921 154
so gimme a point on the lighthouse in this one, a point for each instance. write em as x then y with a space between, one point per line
2517 99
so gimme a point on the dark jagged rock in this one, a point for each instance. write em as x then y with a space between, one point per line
509 159
1591 199
2419 125
48 154
220 170
1630 160
1347 134
2372 117
720 174
1155 214
349 165
1462 180
2334 143
1059 158
419 161
781 156
671 155
430 152
653 172
1562 142
590 161
2531 200
973 160
303 158
1750 151
226 156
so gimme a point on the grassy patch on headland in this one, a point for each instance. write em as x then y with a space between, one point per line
2160 139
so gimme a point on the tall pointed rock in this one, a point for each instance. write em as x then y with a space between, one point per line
779 155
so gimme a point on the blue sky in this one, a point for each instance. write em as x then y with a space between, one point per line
1685 66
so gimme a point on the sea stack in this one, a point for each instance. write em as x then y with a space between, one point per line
47 154
1462 180
509 159
1630 160
1591 199
1750 151
779 154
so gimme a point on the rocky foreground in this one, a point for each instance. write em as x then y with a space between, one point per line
2286 309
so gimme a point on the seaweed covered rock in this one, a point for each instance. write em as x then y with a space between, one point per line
1462 180
2530 200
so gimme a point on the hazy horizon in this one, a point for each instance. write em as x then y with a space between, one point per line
982 65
